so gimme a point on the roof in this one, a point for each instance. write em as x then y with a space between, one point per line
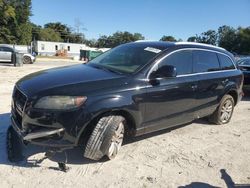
157 44
164 45
167 44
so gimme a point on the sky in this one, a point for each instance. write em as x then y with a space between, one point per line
151 18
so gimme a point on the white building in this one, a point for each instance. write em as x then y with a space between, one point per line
46 48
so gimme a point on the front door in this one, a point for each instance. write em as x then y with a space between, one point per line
172 101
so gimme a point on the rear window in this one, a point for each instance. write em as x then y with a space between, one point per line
225 62
205 61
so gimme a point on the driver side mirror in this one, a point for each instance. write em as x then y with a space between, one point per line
165 71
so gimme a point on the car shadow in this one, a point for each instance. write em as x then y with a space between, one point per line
6 64
246 97
224 176
71 156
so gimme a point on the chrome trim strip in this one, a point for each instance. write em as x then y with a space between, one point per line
183 49
199 44
42 134
201 73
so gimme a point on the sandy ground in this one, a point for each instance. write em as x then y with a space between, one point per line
196 155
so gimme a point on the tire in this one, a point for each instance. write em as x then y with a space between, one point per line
106 138
13 146
224 112
27 60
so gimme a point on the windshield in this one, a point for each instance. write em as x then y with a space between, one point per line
125 58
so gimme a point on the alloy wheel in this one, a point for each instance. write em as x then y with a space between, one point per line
226 111
116 141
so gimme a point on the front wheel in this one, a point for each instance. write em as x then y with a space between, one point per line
106 138
224 112
27 60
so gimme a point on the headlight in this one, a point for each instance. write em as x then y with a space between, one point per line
60 102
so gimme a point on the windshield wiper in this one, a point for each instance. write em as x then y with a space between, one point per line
105 68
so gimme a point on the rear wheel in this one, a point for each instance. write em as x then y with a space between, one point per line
106 138
27 60
224 112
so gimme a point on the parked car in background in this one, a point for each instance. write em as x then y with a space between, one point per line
131 90
244 65
6 54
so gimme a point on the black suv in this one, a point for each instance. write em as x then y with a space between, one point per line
133 89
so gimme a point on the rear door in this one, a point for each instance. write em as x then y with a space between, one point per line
212 81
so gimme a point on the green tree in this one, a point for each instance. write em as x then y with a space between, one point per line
62 29
227 38
22 9
168 38
244 41
102 41
24 33
192 39
48 34
91 42
14 22
66 32
36 29
138 36
118 38
7 15
208 37
21 28
76 38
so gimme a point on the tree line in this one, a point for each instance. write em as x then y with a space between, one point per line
16 28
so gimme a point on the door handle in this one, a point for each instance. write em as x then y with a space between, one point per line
194 86
225 81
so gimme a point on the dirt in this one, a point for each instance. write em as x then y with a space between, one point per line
199 154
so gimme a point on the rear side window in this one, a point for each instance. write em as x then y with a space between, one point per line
225 62
205 61
182 60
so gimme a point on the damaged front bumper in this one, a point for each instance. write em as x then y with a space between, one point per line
48 137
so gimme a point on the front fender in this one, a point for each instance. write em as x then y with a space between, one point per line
97 106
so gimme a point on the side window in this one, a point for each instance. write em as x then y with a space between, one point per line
225 62
182 60
205 61
6 49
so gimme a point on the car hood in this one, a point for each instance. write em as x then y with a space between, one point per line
68 80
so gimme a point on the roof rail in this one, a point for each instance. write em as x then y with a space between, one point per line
199 44
145 41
